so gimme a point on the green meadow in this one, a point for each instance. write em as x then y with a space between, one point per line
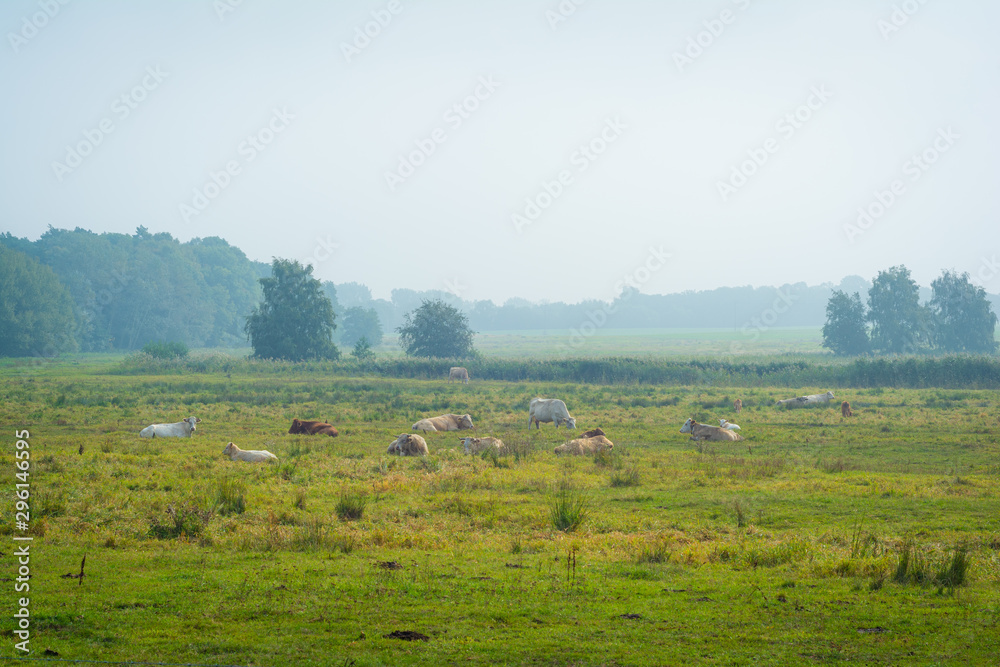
816 540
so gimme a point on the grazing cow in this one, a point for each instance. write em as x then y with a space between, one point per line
584 446
592 432
181 429
549 410
447 422
480 445
845 410
738 405
705 432
458 373
313 428
804 401
408 445
249 455
726 424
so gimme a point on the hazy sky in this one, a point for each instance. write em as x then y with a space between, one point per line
524 148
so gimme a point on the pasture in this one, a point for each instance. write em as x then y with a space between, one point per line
816 540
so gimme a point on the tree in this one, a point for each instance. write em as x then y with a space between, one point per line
362 350
899 323
36 311
295 321
964 320
436 329
361 323
845 332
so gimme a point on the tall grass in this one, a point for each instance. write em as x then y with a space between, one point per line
568 510
952 371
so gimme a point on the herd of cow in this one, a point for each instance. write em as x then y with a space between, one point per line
547 410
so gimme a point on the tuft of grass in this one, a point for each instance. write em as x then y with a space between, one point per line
953 571
299 499
351 505
184 522
657 551
568 510
626 478
229 496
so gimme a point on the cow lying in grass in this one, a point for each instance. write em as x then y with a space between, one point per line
805 401
706 432
249 455
181 429
728 425
447 422
313 428
584 446
408 444
480 445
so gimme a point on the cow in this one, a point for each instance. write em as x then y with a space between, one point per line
313 428
804 401
249 455
726 424
480 445
458 373
181 429
738 405
705 432
408 444
592 432
549 410
584 446
845 410
447 422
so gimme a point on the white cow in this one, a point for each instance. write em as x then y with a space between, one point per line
480 445
549 410
181 429
458 373
803 401
726 424
408 444
249 455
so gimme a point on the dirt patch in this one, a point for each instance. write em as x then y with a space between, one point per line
407 635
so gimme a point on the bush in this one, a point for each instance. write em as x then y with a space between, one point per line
165 350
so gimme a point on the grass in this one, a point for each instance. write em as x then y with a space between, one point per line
791 547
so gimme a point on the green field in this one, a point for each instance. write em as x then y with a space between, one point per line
817 540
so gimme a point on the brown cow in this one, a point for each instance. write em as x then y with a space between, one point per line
845 410
592 432
738 405
705 432
313 428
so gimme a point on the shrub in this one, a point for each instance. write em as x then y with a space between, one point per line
165 350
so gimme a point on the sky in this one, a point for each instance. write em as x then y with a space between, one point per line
547 150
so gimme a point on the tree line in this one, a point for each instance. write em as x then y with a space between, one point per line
958 317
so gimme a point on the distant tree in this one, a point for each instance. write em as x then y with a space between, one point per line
295 321
362 350
361 323
964 320
845 331
36 311
436 329
899 324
